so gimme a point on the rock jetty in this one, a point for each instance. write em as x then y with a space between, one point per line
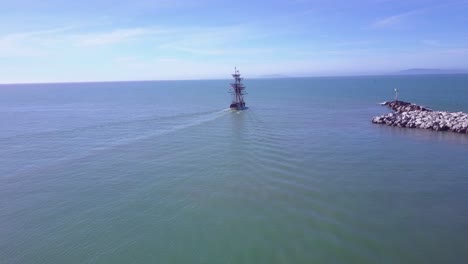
400 106
415 116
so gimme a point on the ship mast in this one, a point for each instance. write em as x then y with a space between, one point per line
237 91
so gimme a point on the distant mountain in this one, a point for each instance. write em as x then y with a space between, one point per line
431 71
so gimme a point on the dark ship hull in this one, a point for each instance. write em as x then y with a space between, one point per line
235 106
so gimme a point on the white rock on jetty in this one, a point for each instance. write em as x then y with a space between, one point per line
414 116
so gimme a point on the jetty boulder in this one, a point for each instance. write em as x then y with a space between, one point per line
401 106
414 116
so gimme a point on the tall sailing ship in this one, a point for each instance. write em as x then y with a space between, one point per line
237 92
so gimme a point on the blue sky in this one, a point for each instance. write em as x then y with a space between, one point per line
104 40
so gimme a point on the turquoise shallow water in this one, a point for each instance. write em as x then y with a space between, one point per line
161 172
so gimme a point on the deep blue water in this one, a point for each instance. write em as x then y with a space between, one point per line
162 172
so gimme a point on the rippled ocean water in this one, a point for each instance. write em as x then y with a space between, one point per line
162 172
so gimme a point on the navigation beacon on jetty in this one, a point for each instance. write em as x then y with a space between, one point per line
237 92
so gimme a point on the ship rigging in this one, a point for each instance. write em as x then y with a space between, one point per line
238 92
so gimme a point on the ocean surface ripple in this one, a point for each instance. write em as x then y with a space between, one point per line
141 172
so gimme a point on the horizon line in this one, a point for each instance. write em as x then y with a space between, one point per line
252 78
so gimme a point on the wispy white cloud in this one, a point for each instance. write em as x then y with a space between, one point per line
431 42
200 41
115 36
39 33
207 51
29 44
456 51
394 20
150 52
398 19
355 43
216 41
